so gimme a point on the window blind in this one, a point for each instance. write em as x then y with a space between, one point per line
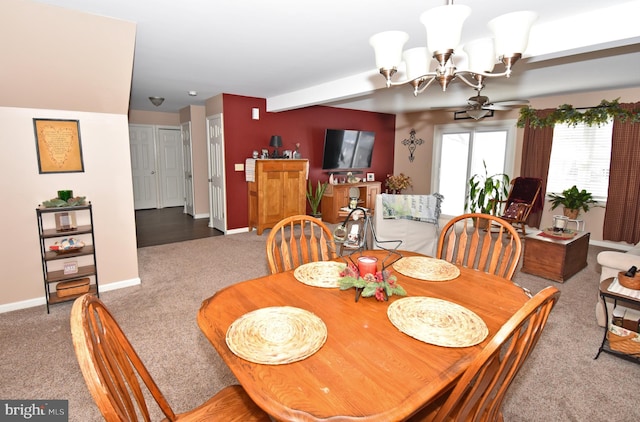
580 155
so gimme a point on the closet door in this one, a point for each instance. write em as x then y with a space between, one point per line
217 202
188 170
143 167
171 177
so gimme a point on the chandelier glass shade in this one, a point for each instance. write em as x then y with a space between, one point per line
444 27
477 113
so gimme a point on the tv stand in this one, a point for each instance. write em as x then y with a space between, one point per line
337 196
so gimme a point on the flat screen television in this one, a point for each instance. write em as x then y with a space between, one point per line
347 149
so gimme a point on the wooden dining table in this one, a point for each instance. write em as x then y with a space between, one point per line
367 369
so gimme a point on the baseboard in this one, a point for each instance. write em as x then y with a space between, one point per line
612 245
120 284
197 216
40 301
238 231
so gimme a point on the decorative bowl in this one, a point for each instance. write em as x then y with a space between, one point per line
67 245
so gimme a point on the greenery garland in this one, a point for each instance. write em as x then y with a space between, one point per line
598 115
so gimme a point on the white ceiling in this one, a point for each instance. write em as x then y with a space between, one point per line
296 53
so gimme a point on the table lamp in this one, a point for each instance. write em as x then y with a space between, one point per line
276 142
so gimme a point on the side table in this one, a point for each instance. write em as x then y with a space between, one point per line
554 258
606 293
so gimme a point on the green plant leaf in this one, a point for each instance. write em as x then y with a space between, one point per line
314 198
572 198
486 192
565 113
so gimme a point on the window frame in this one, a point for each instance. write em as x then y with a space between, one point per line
439 131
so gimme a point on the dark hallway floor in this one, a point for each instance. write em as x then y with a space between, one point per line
169 225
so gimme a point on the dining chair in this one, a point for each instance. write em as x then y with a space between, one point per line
479 393
297 240
113 370
481 241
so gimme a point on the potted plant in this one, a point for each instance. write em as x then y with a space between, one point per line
573 200
486 192
314 198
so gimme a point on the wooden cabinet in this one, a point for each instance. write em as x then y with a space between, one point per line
337 196
555 259
62 269
278 191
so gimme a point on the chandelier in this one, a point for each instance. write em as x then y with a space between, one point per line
444 25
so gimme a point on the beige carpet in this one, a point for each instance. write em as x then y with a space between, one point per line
560 382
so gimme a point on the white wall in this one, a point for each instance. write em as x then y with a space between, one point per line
106 182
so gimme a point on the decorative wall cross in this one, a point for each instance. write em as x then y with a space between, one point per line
412 143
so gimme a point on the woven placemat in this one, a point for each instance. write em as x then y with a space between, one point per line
437 321
320 274
276 335
425 268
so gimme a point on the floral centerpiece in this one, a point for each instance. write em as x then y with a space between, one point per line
396 184
382 284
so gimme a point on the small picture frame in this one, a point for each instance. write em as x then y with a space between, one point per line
70 267
371 177
286 154
265 153
66 221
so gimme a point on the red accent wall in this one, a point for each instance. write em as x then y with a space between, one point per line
305 126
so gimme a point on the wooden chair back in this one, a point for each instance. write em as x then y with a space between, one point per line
297 240
110 365
523 197
479 393
481 241
119 382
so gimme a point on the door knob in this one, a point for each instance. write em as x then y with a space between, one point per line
153 172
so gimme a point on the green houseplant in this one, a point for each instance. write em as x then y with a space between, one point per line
573 200
486 192
314 198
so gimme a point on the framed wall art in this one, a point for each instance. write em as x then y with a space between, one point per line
371 177
58 146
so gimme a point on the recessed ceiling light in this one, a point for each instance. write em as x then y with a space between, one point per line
156 101
193 93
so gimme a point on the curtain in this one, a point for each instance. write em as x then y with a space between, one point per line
536 154
622 215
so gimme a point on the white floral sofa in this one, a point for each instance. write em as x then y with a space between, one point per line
419 233
613 262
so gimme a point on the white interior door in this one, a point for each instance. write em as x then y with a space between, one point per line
188 169
171 176
143 167
217 203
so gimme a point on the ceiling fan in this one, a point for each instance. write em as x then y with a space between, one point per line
479 106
